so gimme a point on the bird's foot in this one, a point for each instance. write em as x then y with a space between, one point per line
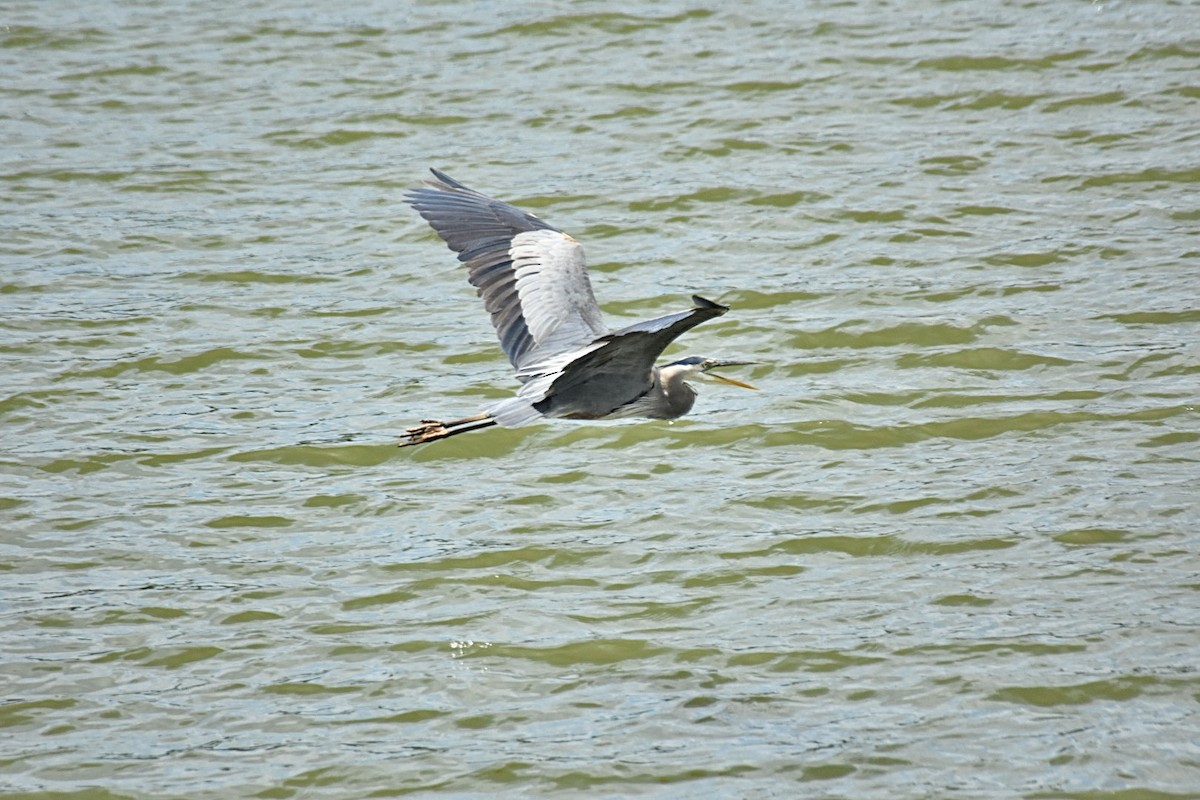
427 431
430 430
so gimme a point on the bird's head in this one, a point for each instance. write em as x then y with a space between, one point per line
695 366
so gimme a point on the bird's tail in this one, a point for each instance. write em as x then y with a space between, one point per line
514 412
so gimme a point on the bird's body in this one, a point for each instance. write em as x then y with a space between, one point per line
533 280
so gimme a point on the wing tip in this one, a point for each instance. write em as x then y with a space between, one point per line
432 191
446 179
708 305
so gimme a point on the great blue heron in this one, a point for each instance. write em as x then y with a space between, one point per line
534 282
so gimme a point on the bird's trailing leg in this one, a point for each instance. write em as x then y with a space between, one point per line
430 430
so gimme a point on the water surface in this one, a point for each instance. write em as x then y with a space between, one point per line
947 551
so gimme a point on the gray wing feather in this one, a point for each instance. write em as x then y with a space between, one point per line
532 277
619 369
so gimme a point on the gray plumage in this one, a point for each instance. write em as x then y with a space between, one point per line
534 282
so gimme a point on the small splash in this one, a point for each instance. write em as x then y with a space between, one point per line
466 647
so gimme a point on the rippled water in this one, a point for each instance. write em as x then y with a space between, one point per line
948 551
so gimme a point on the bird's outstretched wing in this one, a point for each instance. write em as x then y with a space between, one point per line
620 365
532 277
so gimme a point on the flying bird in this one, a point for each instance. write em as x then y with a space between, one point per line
534 282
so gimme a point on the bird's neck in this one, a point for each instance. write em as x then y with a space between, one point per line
679 394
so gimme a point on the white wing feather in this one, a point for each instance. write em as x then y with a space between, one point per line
555 294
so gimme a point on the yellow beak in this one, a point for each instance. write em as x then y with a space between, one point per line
731 381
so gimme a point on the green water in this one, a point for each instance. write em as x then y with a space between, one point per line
949 549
